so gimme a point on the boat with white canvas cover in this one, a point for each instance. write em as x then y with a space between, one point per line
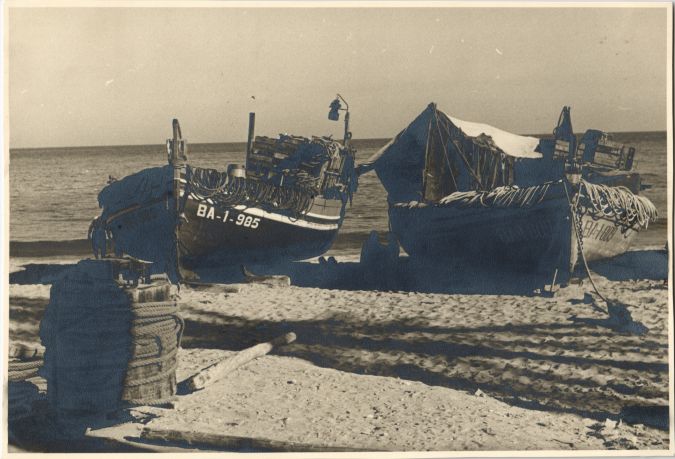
469 193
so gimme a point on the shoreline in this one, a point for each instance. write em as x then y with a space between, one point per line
345 243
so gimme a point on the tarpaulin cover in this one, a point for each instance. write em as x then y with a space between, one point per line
144 186
400 163
514 145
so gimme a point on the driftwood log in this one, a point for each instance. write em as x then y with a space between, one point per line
219 369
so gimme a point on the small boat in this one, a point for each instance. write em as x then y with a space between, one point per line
286 203
472 194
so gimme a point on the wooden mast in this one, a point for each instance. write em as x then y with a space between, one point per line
177 150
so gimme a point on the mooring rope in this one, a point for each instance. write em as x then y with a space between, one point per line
576 227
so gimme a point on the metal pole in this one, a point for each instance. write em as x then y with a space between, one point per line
348 134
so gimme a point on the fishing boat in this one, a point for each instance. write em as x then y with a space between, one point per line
286 203
469 193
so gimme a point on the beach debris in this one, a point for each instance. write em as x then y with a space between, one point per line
327 261
609 424
650 415
479 393
213 288
220 369
271 281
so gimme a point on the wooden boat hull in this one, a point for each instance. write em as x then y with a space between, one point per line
212 237
534 240
603 238
539 240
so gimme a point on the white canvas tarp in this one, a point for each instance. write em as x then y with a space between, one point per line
514 145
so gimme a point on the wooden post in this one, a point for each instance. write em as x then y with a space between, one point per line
219 369
251 133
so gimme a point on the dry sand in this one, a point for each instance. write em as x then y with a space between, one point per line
401 370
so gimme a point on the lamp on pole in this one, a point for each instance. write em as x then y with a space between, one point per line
334 115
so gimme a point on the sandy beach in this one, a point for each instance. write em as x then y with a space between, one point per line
403 370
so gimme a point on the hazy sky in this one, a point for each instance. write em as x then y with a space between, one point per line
109 76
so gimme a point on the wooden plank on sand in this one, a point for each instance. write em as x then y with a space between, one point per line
235 443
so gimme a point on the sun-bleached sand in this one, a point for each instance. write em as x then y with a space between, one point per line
416 371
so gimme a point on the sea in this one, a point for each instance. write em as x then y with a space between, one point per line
53 191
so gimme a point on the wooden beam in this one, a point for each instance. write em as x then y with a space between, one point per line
220 369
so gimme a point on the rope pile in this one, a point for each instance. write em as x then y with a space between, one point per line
228 191
501 197
617 203
109 343
25 385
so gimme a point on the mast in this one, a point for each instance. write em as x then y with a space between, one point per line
177 152
251 133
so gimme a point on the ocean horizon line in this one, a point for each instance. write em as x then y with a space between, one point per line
243 143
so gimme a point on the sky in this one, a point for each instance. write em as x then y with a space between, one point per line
117 76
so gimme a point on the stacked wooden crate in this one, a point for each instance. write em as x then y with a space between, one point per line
268 152
264 162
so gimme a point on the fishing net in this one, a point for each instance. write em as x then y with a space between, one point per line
223 190
501 197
